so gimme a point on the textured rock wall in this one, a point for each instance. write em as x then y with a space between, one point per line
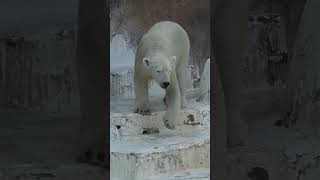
266 62
283 53
134 17
37 71
304 81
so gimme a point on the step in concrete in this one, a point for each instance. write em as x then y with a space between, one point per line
125 105
192 174
136 157
123 120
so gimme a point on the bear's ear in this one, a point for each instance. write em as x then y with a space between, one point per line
146 61
173 61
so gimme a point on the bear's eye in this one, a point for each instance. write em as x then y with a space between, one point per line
158 71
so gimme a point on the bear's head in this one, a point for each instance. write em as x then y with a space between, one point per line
160 69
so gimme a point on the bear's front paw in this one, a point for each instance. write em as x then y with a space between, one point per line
143 109
169 123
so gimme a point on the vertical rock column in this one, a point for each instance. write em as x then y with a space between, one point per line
92 66
304 76
2 72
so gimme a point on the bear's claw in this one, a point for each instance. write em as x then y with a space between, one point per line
143 112
168 124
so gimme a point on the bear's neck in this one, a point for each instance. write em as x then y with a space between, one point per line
153 45
156 53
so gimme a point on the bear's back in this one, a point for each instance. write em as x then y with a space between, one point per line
168 29
166 37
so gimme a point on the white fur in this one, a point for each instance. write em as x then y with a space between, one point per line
162 55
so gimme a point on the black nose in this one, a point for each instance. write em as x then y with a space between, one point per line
165 84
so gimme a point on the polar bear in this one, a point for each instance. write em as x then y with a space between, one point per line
162 55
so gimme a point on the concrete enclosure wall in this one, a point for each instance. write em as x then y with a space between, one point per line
37 71
133 18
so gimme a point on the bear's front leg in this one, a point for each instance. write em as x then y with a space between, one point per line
142 105
173 100
181 77
165 101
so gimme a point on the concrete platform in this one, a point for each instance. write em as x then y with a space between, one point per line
124 122
136 157
192 174
143 148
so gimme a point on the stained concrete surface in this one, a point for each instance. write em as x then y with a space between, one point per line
137 153
37 145
285 154
53 172
32 137
141 146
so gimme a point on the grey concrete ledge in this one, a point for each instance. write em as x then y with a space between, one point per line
123 120
192 174
136 157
